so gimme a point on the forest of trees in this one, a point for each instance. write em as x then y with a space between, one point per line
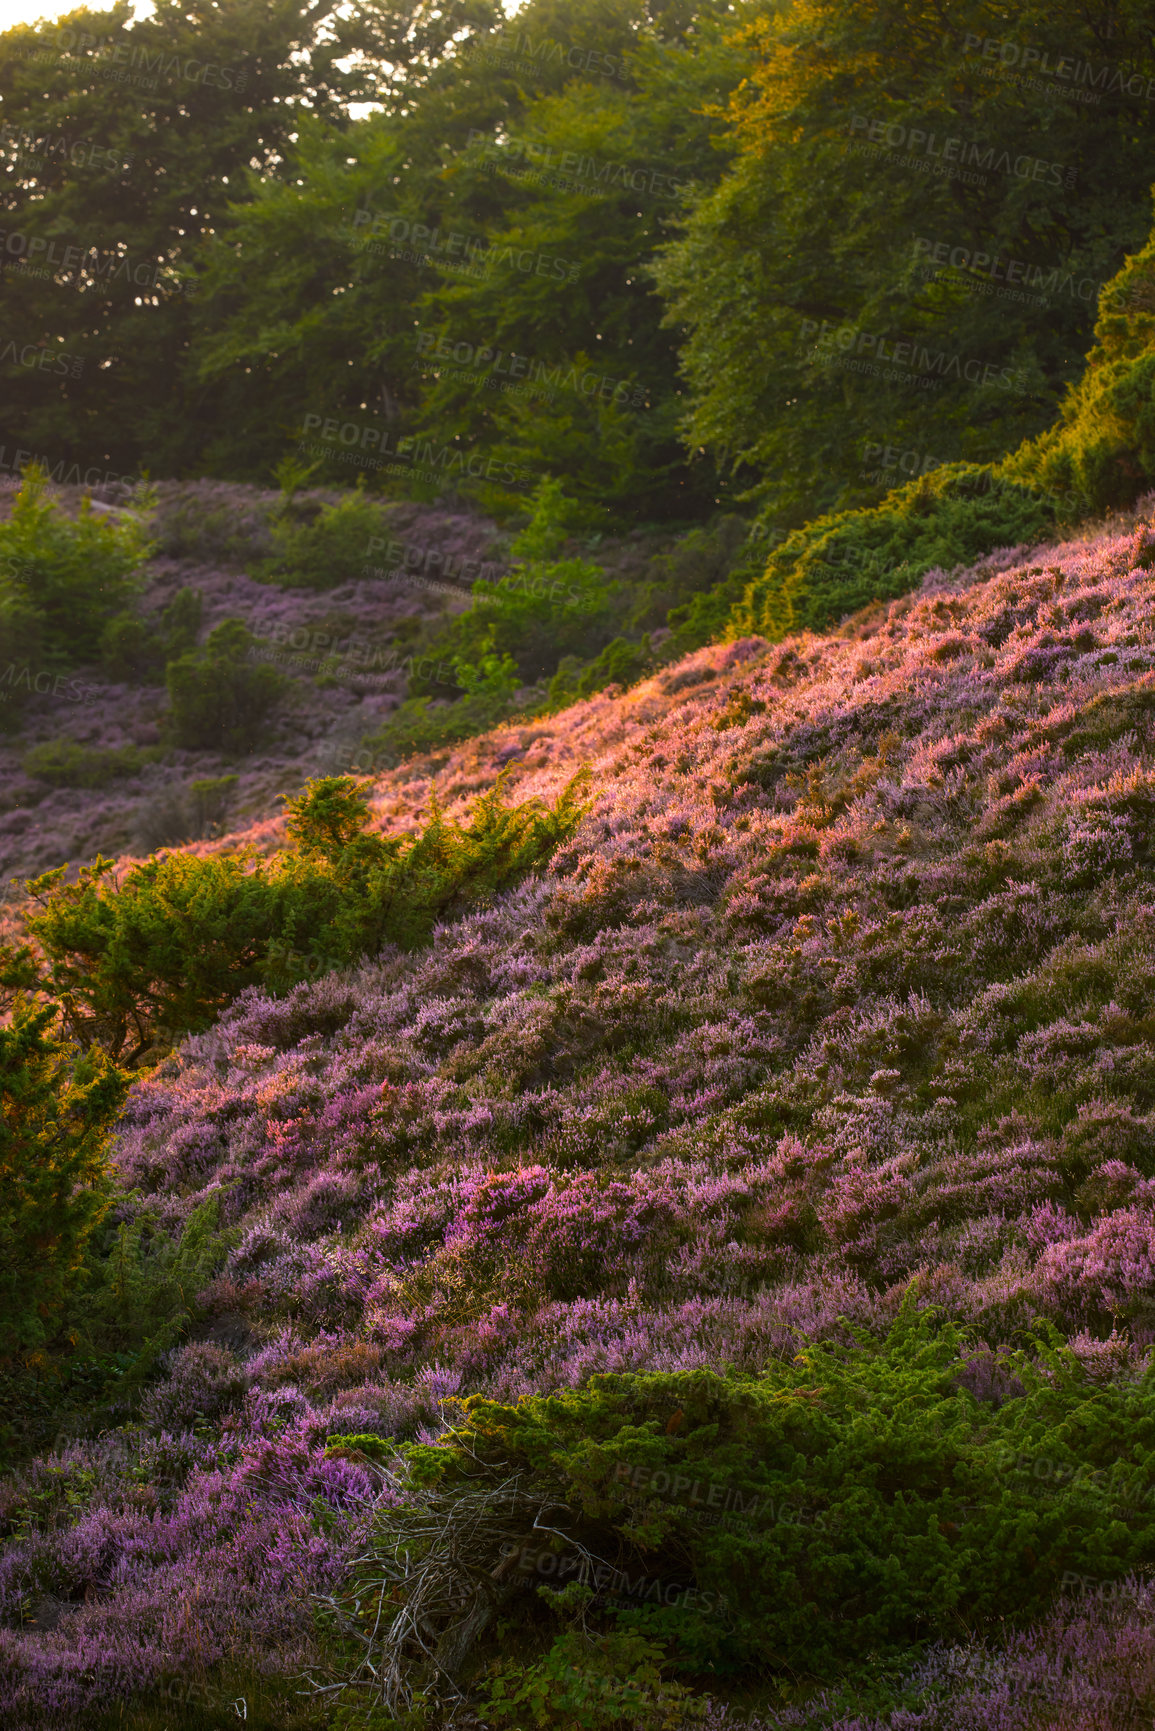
664 252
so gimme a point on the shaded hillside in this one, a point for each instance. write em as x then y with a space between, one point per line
844 983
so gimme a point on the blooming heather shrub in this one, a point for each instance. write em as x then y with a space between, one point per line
203 1381
814 1004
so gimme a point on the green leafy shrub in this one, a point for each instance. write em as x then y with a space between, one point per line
55 1112
544 608
209 798
819 1516
144 1280
220 699
21 650
585 1683
136 960
421 726
73 573
620 663
843 561
132 648
67 763
320 547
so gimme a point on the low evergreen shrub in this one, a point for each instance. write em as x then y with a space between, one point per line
812 1519
56 1108
139 958
220 699
70 574
843 561
323 547
67 763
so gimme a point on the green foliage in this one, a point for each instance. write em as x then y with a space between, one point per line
220 699
67 763
826 1512
620 663
419 726
845 560
132 648
139 959
143 1284
331 546
209 797
57 1108
520 626
492 675
21 648
588 1683
180 621
69 574
191 141
1101 451
834 299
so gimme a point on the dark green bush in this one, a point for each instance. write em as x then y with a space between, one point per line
620 663
421 726
221 699
209 798
321 547
67 763
132 648
841 562
73 573
818 1516
1101 451
544 608
21 651
55 1111
136 960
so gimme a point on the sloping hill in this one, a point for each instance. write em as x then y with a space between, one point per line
844 983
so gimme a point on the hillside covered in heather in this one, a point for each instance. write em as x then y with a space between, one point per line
577 825
834 1012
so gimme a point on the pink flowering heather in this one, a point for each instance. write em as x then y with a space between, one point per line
843 987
